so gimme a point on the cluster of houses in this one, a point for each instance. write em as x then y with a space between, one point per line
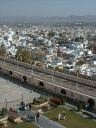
60 44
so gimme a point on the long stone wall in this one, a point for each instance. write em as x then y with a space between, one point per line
54 88
81 80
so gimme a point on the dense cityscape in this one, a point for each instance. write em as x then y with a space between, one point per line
47 64
66 49
70 48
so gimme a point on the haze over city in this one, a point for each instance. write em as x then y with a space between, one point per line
44 8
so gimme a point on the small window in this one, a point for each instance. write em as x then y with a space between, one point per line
63 91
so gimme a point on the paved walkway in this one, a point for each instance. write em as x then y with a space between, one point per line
43 122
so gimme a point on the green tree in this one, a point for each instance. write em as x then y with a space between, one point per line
39 55
79 39
92 46
34 101
4 111
24 55
62 101
79 106
51 34
2 50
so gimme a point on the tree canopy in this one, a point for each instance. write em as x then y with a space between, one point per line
24 55
2 50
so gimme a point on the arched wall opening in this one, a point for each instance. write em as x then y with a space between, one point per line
41 84
24 78
10 72
90 104
63 91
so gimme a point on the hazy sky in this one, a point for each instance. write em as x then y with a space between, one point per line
47 7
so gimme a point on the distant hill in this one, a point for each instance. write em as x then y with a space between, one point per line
55 19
